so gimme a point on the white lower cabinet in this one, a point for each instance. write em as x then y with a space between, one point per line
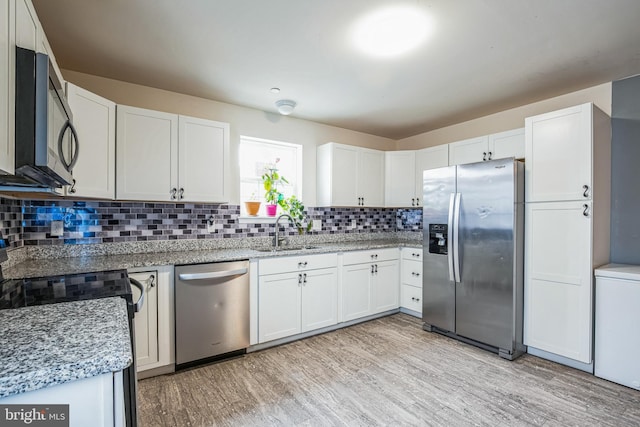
411 281
298 294
370 282
153 324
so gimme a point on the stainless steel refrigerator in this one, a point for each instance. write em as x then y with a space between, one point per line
473 221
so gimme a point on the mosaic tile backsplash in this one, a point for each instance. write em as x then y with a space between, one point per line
28 222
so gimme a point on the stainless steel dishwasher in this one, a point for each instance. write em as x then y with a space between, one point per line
212 311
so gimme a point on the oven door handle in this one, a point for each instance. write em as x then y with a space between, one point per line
137 306
212 274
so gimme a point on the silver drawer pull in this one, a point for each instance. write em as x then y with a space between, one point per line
302 264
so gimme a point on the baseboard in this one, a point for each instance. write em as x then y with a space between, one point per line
586 367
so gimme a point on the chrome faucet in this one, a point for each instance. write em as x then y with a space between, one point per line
276 239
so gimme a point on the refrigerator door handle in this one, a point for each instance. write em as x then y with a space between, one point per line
450 228
456 240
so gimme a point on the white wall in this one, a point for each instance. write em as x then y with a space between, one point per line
509 119
244 121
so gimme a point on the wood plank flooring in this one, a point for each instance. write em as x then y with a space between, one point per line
384 372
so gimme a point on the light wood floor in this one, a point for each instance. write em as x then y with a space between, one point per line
384 372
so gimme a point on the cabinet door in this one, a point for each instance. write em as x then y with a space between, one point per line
429 158
469 151
7 90
203 153
279 306
558 283
399 178
26 25
319 299
411 298
558 152
344 161
371 177
95 120
147 149
386 286
146 320
356 291
507 144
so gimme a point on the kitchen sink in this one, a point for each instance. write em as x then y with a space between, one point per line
288 249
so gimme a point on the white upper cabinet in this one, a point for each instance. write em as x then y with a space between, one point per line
349 176
560 150
490 147
26 25
146 154
95 120
203 157
400 178
469 150
166 157
7 90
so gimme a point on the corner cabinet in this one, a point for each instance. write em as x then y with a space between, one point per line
349 176
166 157
95 120
568 170
370 283
296 294
489 147
153 325
403 174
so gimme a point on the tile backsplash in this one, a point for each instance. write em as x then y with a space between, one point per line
28 222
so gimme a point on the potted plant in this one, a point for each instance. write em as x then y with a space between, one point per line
252 205
295 208
270 181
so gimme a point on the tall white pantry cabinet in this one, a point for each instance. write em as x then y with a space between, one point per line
568 184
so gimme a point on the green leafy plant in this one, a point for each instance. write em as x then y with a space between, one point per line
271 179
295 208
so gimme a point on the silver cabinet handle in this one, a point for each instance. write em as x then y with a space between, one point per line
72 189
586 190
152 281
181 196
302 264
413 202
137 306
299 279
484 156
413 273
371 268
456 240
212 274
376 269
585 212
415 299
414 254
173 193
304 278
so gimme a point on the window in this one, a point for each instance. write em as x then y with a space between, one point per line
256 154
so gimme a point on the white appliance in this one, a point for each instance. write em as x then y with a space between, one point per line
617 341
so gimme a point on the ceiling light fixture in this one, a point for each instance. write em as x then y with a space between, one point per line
285 106
391 31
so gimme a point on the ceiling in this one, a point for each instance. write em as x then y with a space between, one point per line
483 56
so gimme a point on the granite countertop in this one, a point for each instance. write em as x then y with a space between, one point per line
51 344
84 264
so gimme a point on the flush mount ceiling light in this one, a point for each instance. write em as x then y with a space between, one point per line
391 31
285 106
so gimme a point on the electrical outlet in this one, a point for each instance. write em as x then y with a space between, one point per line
57 228
317 225
354 224
211 224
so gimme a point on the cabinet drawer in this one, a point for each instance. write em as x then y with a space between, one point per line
412 254
296 263
373 255
412 273
411 298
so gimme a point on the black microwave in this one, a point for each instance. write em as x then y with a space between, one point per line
46 144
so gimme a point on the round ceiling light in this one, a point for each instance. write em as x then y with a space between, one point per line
391 31
285 106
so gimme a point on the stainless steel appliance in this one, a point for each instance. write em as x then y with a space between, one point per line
473 220
46 145
212 311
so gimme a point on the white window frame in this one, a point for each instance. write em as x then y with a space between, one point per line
296 181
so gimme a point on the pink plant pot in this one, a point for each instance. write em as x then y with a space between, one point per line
271 210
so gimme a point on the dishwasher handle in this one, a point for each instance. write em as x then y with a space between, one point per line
212 274
137 306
